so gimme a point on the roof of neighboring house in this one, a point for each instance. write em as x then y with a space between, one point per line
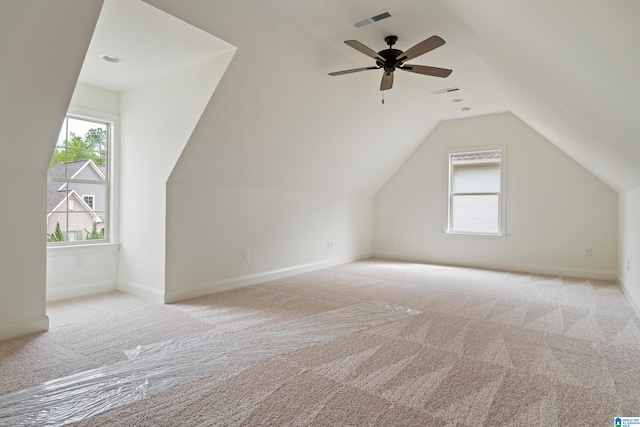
73 168
66 169
54 195
56 191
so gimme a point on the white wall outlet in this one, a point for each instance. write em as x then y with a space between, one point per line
587 252
329 244
246 255
79 260
628 265
391 240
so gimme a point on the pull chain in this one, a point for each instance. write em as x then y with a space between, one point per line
383 97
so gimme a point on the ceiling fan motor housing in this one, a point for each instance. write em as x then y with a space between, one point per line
389 55
390 61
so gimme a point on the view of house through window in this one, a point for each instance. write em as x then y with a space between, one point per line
475 192
78 184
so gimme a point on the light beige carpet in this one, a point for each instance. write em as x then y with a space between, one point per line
489 348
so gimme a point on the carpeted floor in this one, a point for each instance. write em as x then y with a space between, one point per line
488 348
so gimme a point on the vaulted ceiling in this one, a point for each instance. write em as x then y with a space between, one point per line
568 69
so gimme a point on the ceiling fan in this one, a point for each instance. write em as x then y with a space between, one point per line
391 59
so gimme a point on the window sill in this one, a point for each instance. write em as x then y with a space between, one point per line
82 249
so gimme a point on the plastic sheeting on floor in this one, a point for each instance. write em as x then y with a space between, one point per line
156 368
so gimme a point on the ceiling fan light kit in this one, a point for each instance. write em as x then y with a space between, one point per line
392 59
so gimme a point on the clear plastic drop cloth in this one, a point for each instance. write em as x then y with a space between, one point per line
155 368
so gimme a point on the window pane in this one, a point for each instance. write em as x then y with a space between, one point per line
77 192
96 192
74 224
76 158
84 169
57 221
475 214
476 178
81 140
80 224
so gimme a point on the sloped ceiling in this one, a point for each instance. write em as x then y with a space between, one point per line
42 46
571 71
150 44
277 120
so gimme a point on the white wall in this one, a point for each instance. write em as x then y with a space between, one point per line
74 271
157 121
22 253
629 244
86 269
209 227
96 98
555 208
42 48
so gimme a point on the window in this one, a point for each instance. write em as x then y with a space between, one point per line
476 205
78 182
89 200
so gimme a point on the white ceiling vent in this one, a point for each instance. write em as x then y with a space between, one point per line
370 20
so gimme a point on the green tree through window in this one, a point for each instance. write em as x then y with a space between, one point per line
57 235
75 148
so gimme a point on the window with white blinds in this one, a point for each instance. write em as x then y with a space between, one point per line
475 192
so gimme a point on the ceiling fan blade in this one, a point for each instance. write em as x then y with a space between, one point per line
387 81
421 48
364 49
428 71
353 70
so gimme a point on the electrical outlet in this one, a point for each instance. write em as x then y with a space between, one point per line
79 260
329 244
246 255
587 252
391 240
628 265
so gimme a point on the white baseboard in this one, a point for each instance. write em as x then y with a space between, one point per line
80 290
524 268
142 291
632 301
252 279
24 327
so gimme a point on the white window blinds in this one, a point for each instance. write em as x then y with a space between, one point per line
474 203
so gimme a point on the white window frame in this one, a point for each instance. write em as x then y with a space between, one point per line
502 195
111 203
